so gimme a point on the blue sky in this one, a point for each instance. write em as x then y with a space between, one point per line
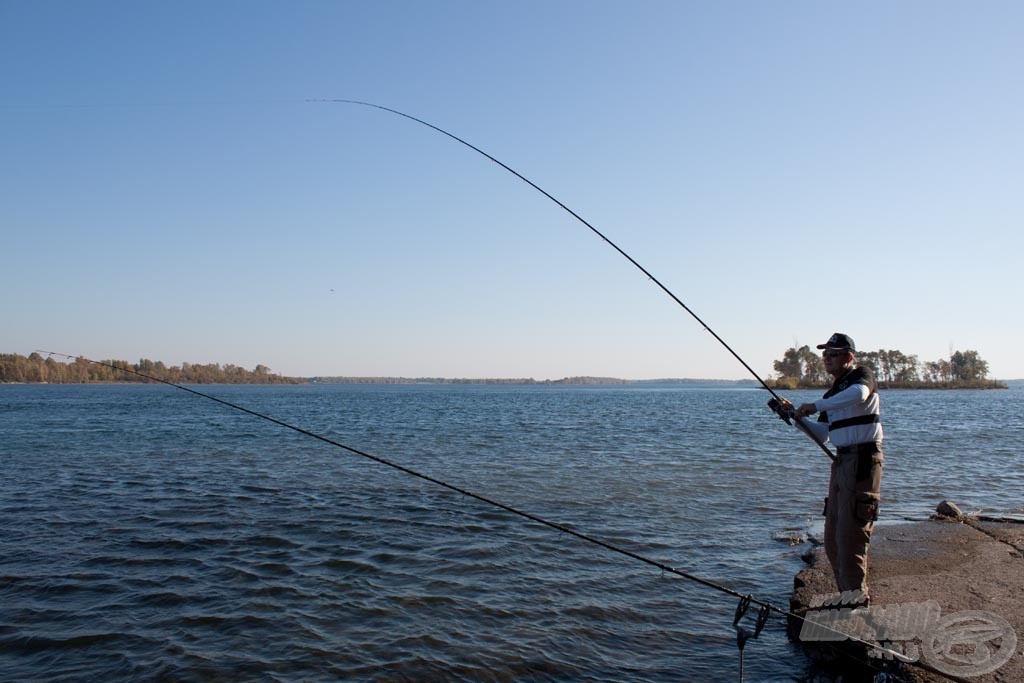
789 170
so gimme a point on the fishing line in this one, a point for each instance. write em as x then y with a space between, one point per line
597 232
410 471
745 599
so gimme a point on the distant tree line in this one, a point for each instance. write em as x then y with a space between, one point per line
803 368
488 380
415 380
35 368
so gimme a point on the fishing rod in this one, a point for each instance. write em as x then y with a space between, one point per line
780 406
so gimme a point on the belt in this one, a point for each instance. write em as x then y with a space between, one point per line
868 448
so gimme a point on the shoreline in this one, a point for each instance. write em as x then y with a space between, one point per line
566 381
961 574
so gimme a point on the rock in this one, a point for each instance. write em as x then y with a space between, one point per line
790 536
971 571
948 510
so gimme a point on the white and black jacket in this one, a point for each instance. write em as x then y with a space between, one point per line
849 413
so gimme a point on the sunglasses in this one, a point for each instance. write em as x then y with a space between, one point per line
834 354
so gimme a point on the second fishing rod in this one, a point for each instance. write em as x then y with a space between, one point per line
777 403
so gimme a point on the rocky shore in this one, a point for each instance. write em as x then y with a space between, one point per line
947 593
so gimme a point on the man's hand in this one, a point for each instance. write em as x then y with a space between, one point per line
806 409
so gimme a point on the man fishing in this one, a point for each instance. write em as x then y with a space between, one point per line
849 416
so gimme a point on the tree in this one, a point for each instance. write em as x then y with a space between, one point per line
800 367
908 369
814 368
34 368
967 366
791 364
964 369
870 360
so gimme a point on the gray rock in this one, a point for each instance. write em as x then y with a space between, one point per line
790 536
966 570
948 509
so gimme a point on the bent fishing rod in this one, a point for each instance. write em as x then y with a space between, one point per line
777 404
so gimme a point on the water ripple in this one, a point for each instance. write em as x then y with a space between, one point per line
149 537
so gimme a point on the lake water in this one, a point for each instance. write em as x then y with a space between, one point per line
150 534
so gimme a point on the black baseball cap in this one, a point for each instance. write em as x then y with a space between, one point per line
839 341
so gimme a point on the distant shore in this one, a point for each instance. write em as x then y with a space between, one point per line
35 369
975 384
587 381
565 381
614 381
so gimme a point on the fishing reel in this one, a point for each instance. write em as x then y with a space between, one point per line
786 413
